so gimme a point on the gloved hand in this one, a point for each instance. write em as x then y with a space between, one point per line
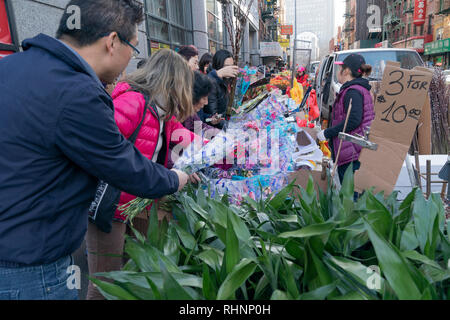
321 136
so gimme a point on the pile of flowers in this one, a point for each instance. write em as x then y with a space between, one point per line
281 82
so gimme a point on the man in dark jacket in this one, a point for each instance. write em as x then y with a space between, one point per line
57 138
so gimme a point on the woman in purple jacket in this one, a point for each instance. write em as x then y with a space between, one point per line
355 90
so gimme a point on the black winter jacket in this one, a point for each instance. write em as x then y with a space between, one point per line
58 136
217 99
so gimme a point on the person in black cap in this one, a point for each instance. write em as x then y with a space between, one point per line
355 90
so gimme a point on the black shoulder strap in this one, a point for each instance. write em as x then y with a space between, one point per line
133 137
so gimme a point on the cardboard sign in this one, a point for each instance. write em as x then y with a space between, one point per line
424 132
398 108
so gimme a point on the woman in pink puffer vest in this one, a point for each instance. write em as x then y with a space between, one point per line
128 111
167 81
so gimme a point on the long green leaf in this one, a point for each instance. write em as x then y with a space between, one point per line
112 291
211 257
317 266
172 289
379 216
434 274
139 278
290 281
310 231
279 295
186 238
424 219
196 208
236 278
209 287
320 293
394 266
261 287
408 238
239 227
360 272
232 252
415 256
281 197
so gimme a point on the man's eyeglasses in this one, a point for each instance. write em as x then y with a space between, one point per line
136 52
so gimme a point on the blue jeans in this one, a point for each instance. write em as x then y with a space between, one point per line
44 282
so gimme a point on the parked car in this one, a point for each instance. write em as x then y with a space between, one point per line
327 85
312 71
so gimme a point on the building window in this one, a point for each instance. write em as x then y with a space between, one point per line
430 24
169 23
215 26
439 34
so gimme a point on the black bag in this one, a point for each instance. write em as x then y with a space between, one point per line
101 211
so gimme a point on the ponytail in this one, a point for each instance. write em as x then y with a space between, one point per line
366 70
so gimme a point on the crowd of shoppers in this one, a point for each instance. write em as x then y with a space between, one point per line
67 128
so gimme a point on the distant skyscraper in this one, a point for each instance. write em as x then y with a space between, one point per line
316 16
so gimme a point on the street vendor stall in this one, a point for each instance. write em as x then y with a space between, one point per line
267 139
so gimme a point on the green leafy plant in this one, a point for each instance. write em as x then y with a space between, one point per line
295 245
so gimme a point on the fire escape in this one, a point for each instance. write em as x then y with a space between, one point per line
269 16
349 25
392 23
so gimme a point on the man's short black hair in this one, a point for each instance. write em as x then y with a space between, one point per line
99 18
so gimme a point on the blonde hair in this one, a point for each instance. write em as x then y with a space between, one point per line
167 77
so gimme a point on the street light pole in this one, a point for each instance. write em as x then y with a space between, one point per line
295 44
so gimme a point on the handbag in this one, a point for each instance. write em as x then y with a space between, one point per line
106 200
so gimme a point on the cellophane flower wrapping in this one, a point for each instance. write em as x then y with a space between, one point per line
263 145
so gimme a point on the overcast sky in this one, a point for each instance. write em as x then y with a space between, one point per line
339 7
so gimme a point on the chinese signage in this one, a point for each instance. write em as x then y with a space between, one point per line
440 46
284 43
287 29
420 12
5 31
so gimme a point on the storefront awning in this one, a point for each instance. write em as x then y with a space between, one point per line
437 47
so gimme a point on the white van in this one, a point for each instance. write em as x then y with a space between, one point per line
327 85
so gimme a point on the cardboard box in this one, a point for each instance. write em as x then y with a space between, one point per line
301 178
398 109
424 131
